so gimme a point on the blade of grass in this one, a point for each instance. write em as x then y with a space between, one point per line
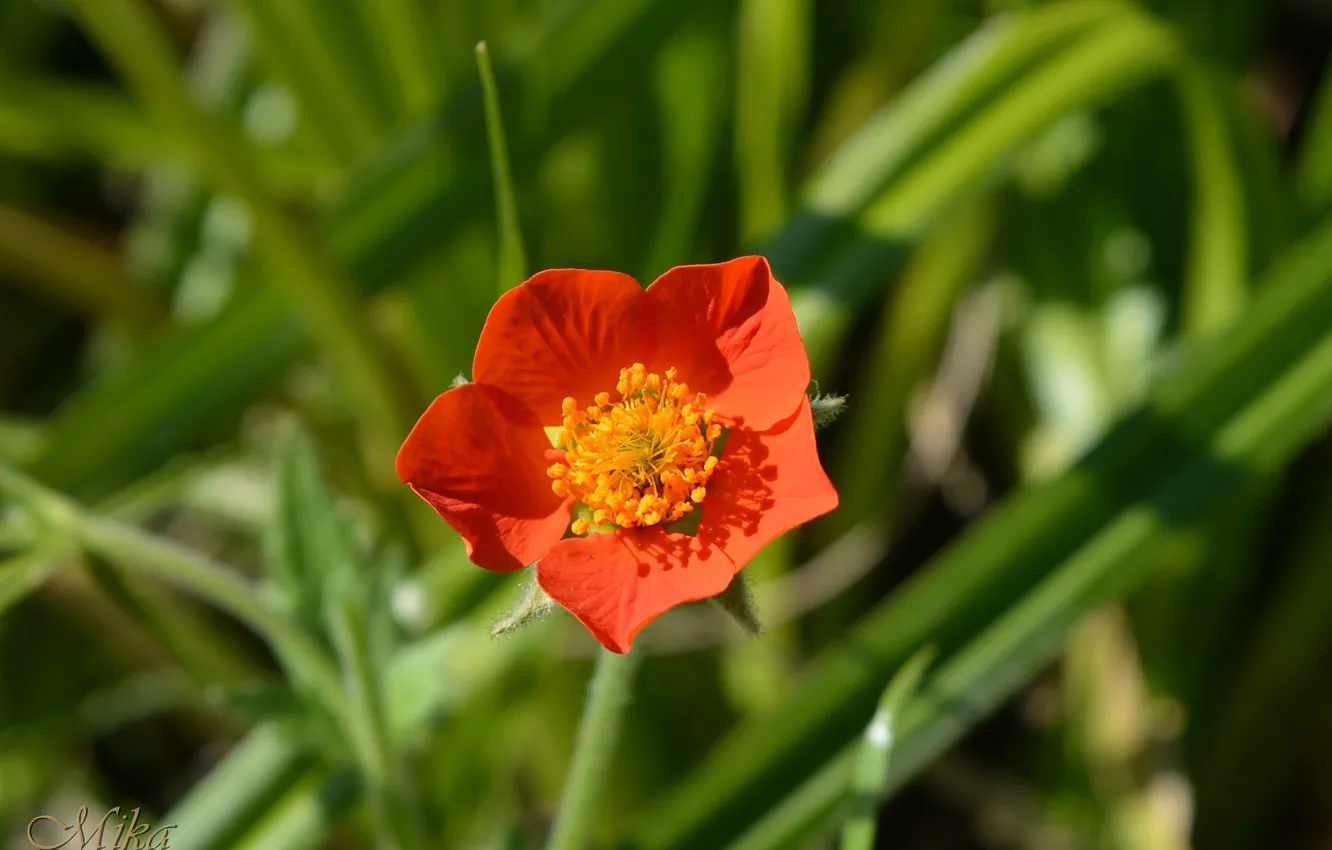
772 67
57 120
1118 56
870 771
1215 285
51 119
1005 554
298 40
304 817
267 793
512 265
1313 171
72 269
258 770
947 93
21 574
692 110
400 35
21 439
127 32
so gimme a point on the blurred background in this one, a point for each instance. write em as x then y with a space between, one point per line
1071 261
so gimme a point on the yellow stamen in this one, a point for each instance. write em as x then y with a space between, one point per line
639 461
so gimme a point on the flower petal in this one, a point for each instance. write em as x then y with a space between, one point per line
478 457
562 332
730 330
615 584
766 484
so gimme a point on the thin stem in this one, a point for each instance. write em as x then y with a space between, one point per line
597 733
512 257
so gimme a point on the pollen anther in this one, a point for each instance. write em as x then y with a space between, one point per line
639 461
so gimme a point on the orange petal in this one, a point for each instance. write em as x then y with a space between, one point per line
478 457
730 330
563 332
766 484
615 584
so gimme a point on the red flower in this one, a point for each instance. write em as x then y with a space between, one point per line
685 440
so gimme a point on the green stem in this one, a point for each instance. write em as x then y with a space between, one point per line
512 258
597 733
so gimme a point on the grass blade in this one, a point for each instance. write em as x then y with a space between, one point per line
299 40
772 66
71 268
692 112
512 265
50 119
870 771
1314 166
1215 285
220 807
400 36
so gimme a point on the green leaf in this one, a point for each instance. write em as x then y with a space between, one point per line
308 545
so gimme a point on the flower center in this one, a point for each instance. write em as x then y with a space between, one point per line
642 460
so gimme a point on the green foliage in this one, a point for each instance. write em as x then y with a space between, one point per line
1064 272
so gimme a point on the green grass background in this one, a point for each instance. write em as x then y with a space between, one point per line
1071 261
